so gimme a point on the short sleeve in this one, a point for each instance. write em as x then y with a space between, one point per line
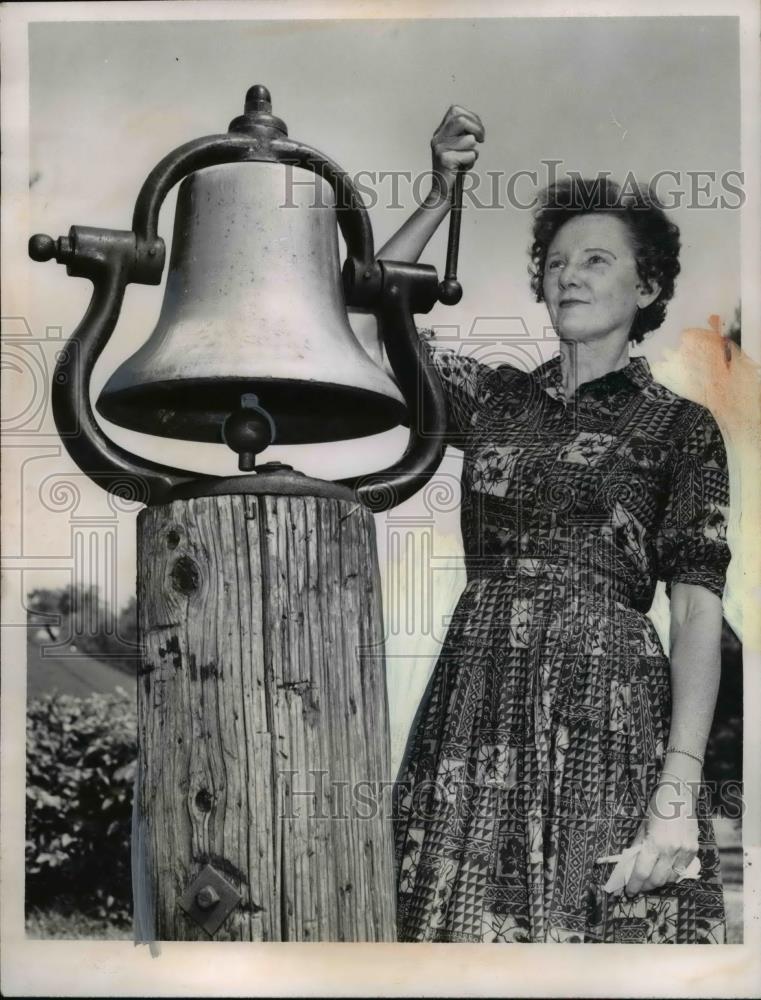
691 544
467 385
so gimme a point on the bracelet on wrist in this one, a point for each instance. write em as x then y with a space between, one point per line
686 753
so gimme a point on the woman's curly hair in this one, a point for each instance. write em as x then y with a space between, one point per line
655 239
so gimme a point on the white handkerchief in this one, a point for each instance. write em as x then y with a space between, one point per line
625 862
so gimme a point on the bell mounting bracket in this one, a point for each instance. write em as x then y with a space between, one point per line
111 259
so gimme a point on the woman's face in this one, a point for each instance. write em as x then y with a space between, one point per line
591 285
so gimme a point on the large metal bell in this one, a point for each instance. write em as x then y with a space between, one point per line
253 304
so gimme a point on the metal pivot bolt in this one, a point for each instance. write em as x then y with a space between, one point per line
43 248
207 897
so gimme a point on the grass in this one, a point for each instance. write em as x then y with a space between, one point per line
52 924
73 926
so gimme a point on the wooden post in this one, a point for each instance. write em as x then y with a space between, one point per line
263 720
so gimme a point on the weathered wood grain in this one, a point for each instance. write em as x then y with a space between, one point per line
263 716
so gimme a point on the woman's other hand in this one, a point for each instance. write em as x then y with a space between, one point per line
453 147
669 836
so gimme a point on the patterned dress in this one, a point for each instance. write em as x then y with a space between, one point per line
540 736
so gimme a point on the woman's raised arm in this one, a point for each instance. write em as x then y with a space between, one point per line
453 147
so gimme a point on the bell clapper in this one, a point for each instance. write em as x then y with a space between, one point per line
248 431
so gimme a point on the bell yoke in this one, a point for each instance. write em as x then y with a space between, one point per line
253 344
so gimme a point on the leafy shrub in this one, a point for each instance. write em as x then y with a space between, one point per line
81 759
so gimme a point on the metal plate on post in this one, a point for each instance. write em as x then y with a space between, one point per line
209 900
270 478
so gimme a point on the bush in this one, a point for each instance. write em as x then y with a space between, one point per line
80 767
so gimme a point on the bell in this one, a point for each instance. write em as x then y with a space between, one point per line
253 305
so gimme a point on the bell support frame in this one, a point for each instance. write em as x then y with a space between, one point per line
112 259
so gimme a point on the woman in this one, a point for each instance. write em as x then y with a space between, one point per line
554 732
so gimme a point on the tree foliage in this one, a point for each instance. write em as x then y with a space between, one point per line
78 614
81 759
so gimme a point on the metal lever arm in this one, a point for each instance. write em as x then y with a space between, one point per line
450 289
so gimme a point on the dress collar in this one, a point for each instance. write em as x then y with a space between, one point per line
637 372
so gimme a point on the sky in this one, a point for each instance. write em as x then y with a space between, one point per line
635 96
630 96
